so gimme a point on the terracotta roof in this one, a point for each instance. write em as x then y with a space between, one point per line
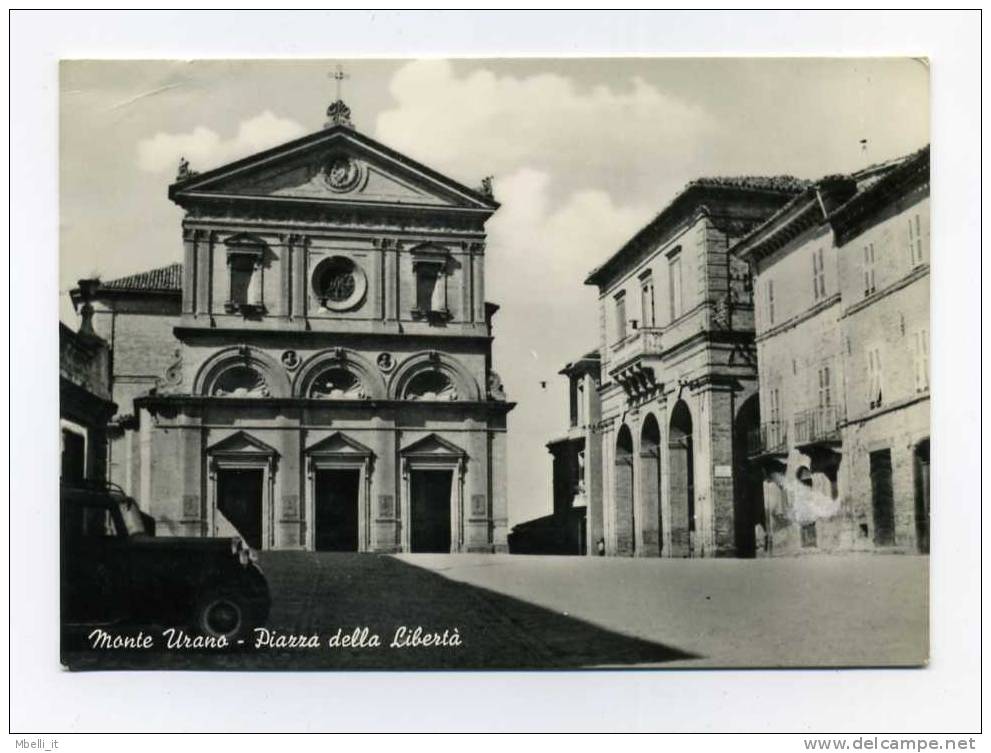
784 183
163 279
851 190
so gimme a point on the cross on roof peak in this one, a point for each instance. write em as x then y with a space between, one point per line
339 75
338 113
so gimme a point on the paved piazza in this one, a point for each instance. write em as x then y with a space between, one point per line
514 612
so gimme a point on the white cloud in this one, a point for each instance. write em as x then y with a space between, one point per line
498 124
537 256
205 149
577 170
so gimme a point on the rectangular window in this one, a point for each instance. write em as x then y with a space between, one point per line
869 286
647 300
431 288
818 275
825 387
675 287
242 269
921 358
770 301
874 385
915 240
620 316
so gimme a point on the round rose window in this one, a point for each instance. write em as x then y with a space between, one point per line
338 283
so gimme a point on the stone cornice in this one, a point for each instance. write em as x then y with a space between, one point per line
185 332
155 402
311 228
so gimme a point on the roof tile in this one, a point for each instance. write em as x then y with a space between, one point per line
161 279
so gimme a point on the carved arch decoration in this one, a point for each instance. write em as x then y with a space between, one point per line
241 371
433 376
339 374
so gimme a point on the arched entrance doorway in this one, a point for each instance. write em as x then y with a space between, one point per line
625 524
650 485
681 464
748 484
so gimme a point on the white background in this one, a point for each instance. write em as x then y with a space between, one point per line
944 697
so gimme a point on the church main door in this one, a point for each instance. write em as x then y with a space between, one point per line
336 514
239 499
430 503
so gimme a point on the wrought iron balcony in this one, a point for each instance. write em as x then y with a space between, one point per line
818 426
770 438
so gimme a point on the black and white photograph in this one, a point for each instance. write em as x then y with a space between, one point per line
397 373
495 364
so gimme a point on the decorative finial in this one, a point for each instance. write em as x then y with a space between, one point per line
338 113
486 189
184 171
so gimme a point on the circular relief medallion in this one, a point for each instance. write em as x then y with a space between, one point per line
290 359
342 173
339 283
385 362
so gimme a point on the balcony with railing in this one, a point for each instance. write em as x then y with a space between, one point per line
818 426
629 361
770 438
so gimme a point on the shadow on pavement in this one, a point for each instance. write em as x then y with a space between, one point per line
319 593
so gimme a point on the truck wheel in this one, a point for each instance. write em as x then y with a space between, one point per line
219 614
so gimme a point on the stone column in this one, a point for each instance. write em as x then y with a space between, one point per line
390 278
593 486
477 255
285 276
204 269
500 506
189 271
713 485
299 264
288 495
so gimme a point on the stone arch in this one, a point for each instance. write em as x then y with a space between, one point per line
623 493
330 368
651 525
748 483
463 384
681 480
232 366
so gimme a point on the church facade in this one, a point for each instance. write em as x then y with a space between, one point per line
317 374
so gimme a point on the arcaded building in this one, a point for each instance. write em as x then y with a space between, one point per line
841 279
676 389
317 372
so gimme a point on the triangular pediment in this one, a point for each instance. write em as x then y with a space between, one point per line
336 165
433 445
244 443
338 444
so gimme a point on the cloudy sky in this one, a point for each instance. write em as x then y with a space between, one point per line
583 153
